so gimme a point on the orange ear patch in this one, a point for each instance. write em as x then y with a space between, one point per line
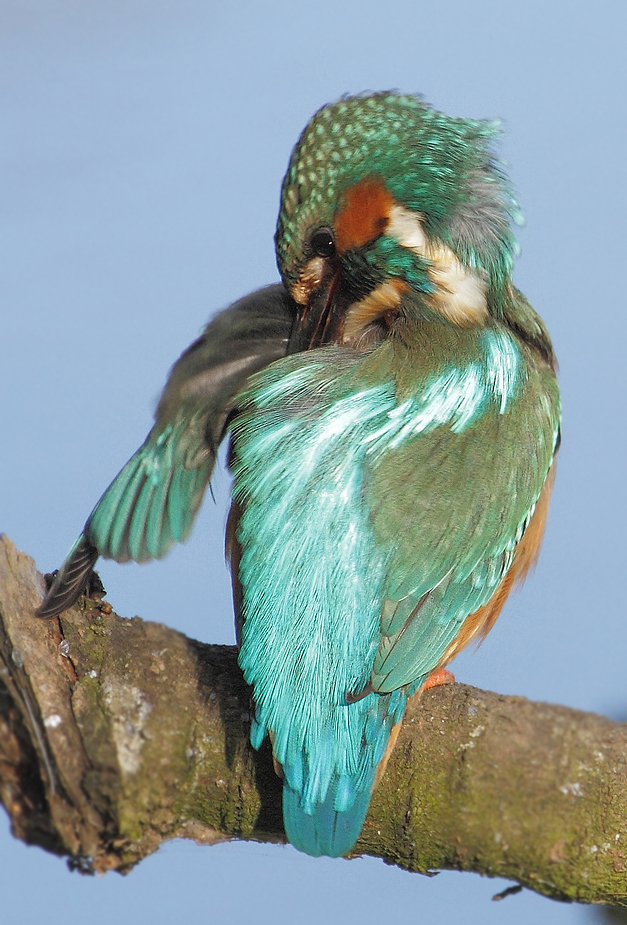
363 215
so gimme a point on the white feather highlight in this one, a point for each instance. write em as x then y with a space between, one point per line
460 293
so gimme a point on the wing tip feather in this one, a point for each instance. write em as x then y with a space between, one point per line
70 581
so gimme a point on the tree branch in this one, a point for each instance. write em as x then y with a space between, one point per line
118 734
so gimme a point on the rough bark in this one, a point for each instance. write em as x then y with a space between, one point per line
118 734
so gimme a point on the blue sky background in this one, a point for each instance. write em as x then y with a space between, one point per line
142 145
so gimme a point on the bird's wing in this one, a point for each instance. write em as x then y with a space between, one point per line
451 495
153 501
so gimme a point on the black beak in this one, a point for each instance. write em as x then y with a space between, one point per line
321 320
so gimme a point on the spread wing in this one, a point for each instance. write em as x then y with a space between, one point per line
153 501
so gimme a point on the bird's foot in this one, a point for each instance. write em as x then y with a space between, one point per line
441 676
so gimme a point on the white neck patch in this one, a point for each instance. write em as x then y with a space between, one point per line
460 293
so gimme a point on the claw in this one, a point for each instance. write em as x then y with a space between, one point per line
438 677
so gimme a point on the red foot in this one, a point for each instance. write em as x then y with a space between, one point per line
442 676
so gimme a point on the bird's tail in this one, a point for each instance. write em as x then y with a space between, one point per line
327 784
329 829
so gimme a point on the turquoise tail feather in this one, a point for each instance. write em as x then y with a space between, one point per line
328 782
328 823
326 830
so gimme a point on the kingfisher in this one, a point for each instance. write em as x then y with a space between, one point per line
394 416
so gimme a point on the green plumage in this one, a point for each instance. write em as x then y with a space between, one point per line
369 484
433 164
386 468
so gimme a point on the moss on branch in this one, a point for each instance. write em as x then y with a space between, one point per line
116 735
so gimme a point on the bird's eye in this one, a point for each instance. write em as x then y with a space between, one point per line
322 242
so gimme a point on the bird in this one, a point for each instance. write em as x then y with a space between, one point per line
393 414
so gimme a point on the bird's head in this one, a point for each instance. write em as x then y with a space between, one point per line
385 197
